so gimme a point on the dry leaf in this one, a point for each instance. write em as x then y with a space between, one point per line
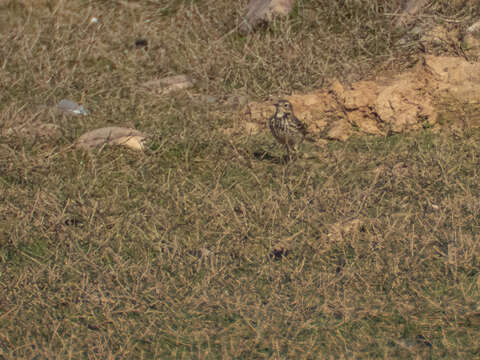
338 230
260 11
112 136
169 84
133 142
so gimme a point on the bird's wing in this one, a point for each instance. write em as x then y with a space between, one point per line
299 125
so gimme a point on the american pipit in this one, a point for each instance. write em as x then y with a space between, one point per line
286 128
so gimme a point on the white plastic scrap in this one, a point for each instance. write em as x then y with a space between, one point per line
71 107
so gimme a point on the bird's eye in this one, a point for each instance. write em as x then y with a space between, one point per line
285 105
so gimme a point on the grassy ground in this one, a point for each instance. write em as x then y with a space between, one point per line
198 249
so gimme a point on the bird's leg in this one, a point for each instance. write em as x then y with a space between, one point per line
291 153
294 155
295 151
288 152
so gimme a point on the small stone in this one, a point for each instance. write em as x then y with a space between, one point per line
141 43
474 27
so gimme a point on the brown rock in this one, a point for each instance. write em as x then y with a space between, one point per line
337 89
401 105
404 102
454 77
439 35
361 94
357 102
252 128
365 121
313 108
472 42
340 130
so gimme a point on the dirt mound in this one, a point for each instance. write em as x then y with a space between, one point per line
405 102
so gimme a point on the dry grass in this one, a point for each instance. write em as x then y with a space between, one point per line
368 249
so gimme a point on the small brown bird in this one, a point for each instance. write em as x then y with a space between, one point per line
286 128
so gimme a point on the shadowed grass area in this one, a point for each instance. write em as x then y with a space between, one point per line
206 245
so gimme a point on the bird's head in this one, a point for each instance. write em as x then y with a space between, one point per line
284 107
